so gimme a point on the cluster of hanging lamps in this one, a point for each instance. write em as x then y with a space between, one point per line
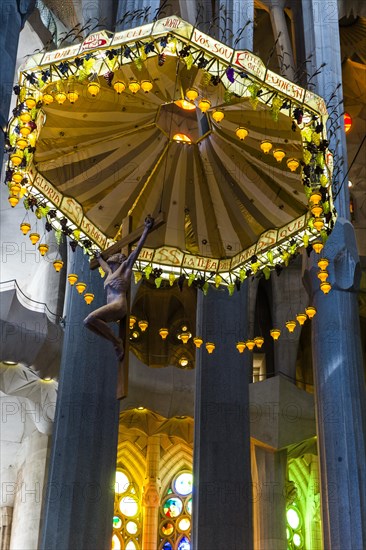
134 86
323 275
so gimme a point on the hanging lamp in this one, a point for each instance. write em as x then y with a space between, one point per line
240 346
88 297
259 341
291 325
275 333
197 342
80 287
310 311
241 133
210 346
163 333
266 146
58 264
218 115
293 164
72 278
301 318
279 154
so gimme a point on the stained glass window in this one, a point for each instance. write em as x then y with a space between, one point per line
294 529
175 514
127 531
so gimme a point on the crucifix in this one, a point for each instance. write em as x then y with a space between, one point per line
117 261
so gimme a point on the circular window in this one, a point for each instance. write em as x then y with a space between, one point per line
184 524
167 528
189 507
129 506
296 539
131 527
293 518
117 522
172 507
122 483
183 484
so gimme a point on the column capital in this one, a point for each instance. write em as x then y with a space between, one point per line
151 493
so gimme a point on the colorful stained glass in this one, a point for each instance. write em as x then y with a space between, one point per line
184 544
117 522
184 524
167 546
129 506
116 543
183 484
122 483
189 507
296 539
167 529
172 507
131 527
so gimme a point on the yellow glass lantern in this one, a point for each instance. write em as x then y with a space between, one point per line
210 346
88 297
25 117
184 336
13 201
241 133
325 287
318 246
316 210
250 344
132 321
318 223
143 325
279 154
119 86
60 97
17 157
301 318
22 143
323 275
323 263
218 115
197 342
146 86
93 88
315 197
191 94
293 164
204 104
310 311
43 248
15 188
25 227
291 325
163 333
80 287
259 341
47 98
266 146
134 86
25 130
72 278
30 102
57 264
240 346
34 237
183 361
72 96
275 333
17 177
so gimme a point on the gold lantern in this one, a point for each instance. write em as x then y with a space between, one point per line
218 115
197 342
72 96
293 164
88 297
134 86
163 333
34 238
58 264
310 311
291 325
119 86
204 104
241 133
72 278
301 318
143 324
43 248
275 333
210 346
192 94
25 227
146 86
318 246
279 154
266 146
323 275
240 346
323 263
80 287
93 88
259 341
60 97
325 287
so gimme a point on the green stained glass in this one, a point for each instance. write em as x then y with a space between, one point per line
297 540
288 533
117 522
189 507
293 518
172 507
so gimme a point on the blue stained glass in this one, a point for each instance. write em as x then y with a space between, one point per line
184 544
167 546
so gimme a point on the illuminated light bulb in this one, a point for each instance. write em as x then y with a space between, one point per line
275 333
250 344
325 287
134 86
347 122
183 361
72 278
93 88
60 97
88 297
318 246
318 223
293 164
119 86
218 115
25 117
323 263
259 341
241 132
47 98
197 342
279 154
43 248
22 143
210 346
34 238
143 325
132 321
17 157
146 86
266 146
323 275
30 102
240 346
80 287
13 201
25 130
18 177
316 210
184 336
204 104
25 227
182 138
301 318
185 105
315 197
163 333
58 264
72 96
310 311
15 188
291 325
191 94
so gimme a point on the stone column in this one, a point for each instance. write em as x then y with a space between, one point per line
132 13
239 23
222 492
280 32
340 392
313 533
6 516
270 498
151 494
78 508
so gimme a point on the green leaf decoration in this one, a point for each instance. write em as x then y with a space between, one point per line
82 75
311 223
88 64
205 288
158 281
267 272
323 180
173 44
190 279
242 275
58 236
206 79
22 94
12 139
285 257
43 210
326 207
270 256
307 156
148 269
293 248
315 138
323 236
306 134
33 113
139 63
76 233
227 96
320 159
305 239
189 61
308 191
231 288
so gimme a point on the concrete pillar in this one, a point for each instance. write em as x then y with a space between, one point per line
132 13
222 492
28 498
270 499
236 23
79 500
340 392
151 494
280 32
6 516
13 15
